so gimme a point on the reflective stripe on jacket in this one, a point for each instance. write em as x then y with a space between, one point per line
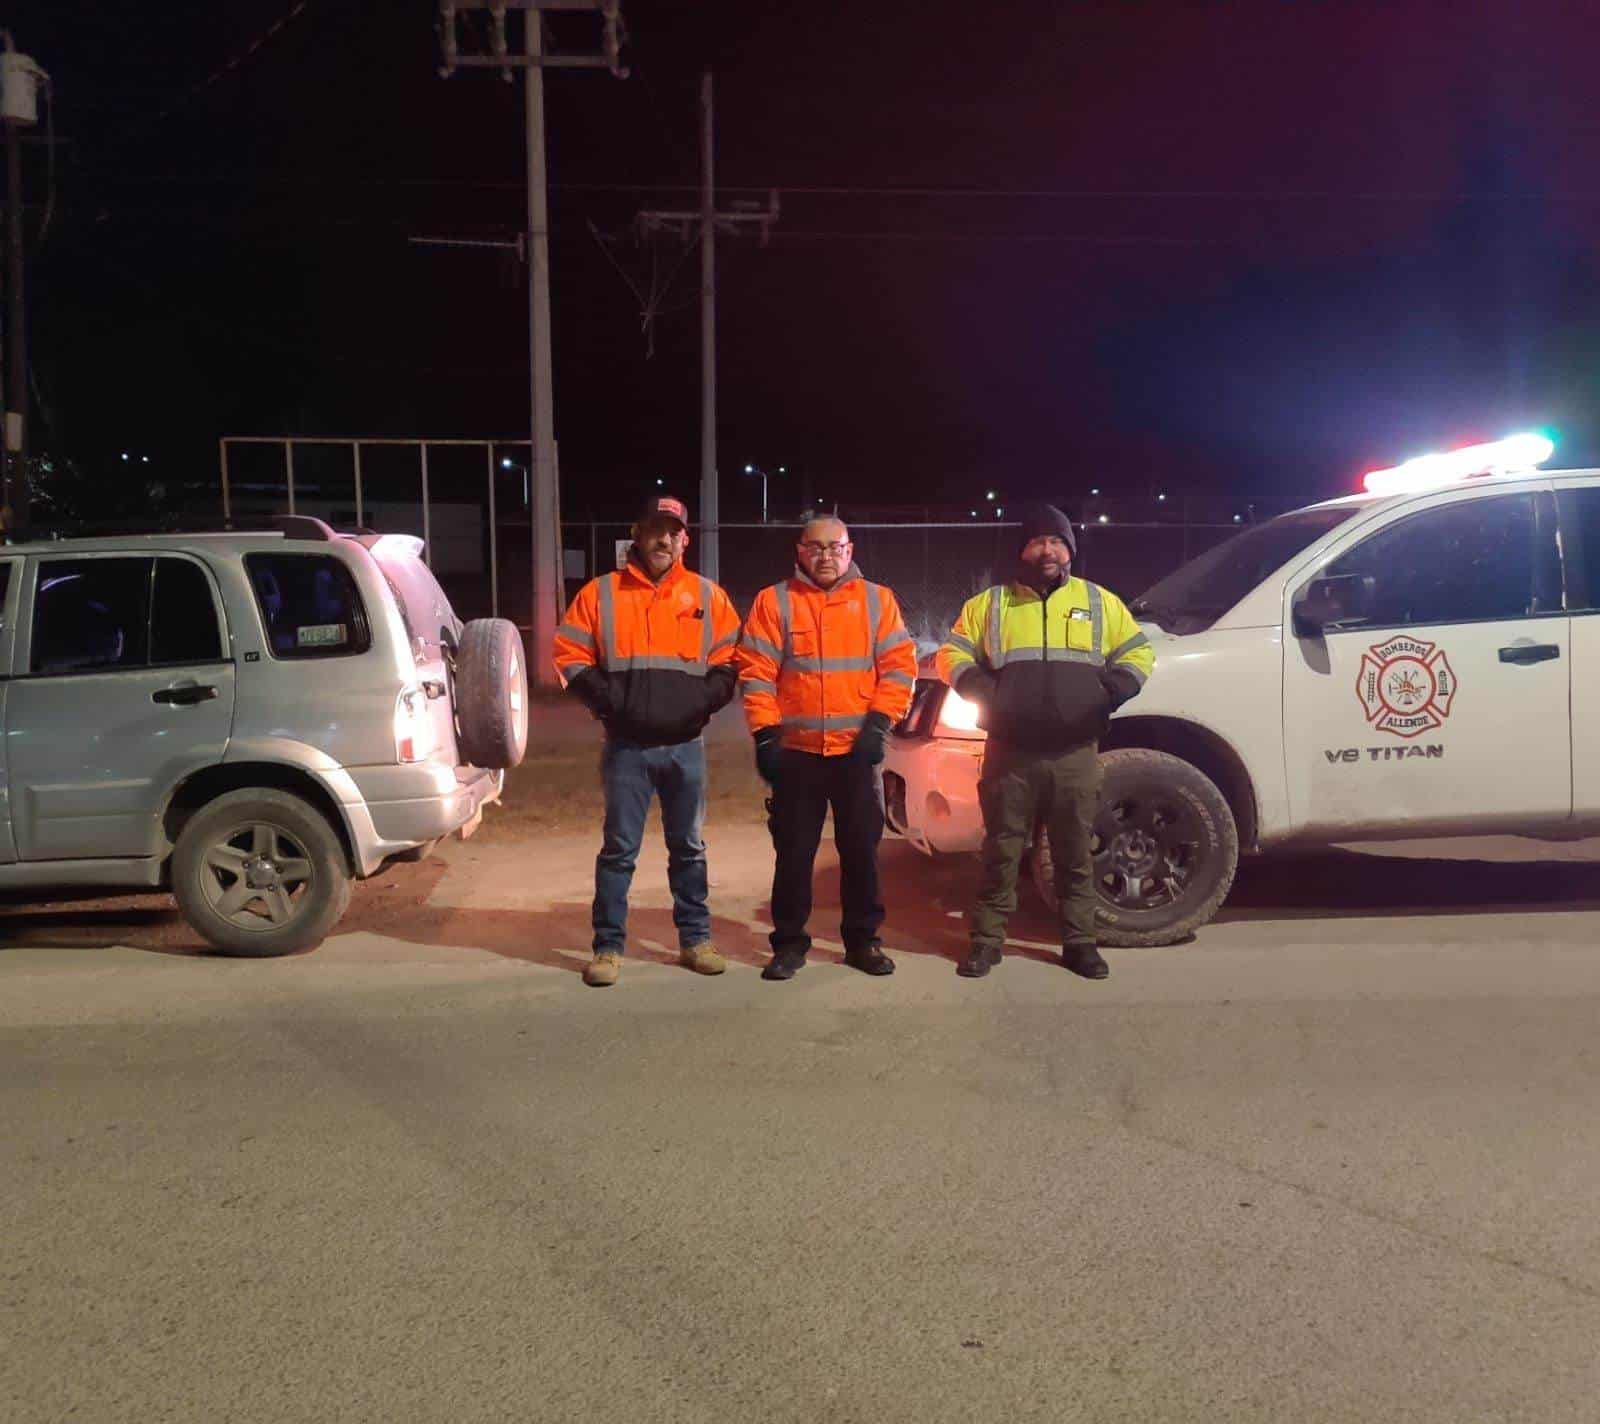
815 661
652 660
1049 670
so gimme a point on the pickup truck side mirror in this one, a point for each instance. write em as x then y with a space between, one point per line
1333 602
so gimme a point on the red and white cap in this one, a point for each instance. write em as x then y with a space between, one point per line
664 506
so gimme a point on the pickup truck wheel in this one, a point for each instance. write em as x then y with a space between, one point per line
260 873
1165 850
491 688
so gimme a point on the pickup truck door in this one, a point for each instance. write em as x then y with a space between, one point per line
1580 541
1442 704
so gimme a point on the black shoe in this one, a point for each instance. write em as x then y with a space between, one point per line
869 959
979 961
785 965
1084 960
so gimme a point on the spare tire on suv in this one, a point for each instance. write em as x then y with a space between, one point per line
491 693
1165 850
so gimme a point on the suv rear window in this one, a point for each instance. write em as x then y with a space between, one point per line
309 604
183 619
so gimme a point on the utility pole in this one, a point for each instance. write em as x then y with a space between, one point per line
706 221
16 336
544 496
710 516
20 81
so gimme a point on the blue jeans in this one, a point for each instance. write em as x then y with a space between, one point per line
631 775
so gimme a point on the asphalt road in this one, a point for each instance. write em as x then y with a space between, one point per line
1315 1166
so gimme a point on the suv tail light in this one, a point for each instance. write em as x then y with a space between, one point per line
413 726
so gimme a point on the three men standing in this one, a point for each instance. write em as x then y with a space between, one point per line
1047 658
827 668
650 651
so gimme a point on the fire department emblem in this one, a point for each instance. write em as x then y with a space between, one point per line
1406 686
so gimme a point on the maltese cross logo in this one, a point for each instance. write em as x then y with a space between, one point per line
1406 686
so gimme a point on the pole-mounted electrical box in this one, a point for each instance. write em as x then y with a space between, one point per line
20 82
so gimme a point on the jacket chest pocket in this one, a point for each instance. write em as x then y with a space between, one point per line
1079 635
691 636
804 642
676 631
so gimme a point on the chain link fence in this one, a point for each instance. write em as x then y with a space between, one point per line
934 565
469 499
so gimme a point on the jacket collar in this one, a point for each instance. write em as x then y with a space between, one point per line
848 576
636 571
1027 590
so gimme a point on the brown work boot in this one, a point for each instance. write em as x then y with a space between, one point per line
604 969
704 958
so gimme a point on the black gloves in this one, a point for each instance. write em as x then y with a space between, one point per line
768 753
1120 684
872 743
978 686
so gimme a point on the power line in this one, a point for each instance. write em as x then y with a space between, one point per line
1084 239
228 66
291 227
869 191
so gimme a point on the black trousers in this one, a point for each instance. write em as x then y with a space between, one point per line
807 785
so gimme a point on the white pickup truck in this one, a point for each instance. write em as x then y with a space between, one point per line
1421 661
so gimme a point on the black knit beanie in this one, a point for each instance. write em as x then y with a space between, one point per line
1041 520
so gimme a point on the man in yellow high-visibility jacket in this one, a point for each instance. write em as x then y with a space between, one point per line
1047 658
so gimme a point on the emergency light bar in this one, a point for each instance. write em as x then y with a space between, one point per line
1515 452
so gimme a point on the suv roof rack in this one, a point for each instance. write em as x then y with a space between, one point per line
291 526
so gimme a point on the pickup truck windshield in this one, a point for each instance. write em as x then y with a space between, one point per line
1193 597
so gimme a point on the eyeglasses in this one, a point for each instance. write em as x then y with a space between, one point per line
812 547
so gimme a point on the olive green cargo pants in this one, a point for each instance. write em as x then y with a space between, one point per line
1019 790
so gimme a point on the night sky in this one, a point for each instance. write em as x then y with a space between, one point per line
1206 246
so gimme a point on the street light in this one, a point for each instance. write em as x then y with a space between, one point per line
756 470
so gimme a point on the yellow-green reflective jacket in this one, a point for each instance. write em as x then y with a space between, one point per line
1047 670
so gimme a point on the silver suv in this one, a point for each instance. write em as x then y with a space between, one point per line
253 719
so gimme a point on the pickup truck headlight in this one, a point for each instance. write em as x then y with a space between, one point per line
957 713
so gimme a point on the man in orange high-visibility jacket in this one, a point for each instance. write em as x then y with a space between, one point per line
827 667
650 651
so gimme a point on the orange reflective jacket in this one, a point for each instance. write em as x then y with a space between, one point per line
652 661
814 662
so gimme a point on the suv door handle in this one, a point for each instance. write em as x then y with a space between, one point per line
1524 653
187 695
